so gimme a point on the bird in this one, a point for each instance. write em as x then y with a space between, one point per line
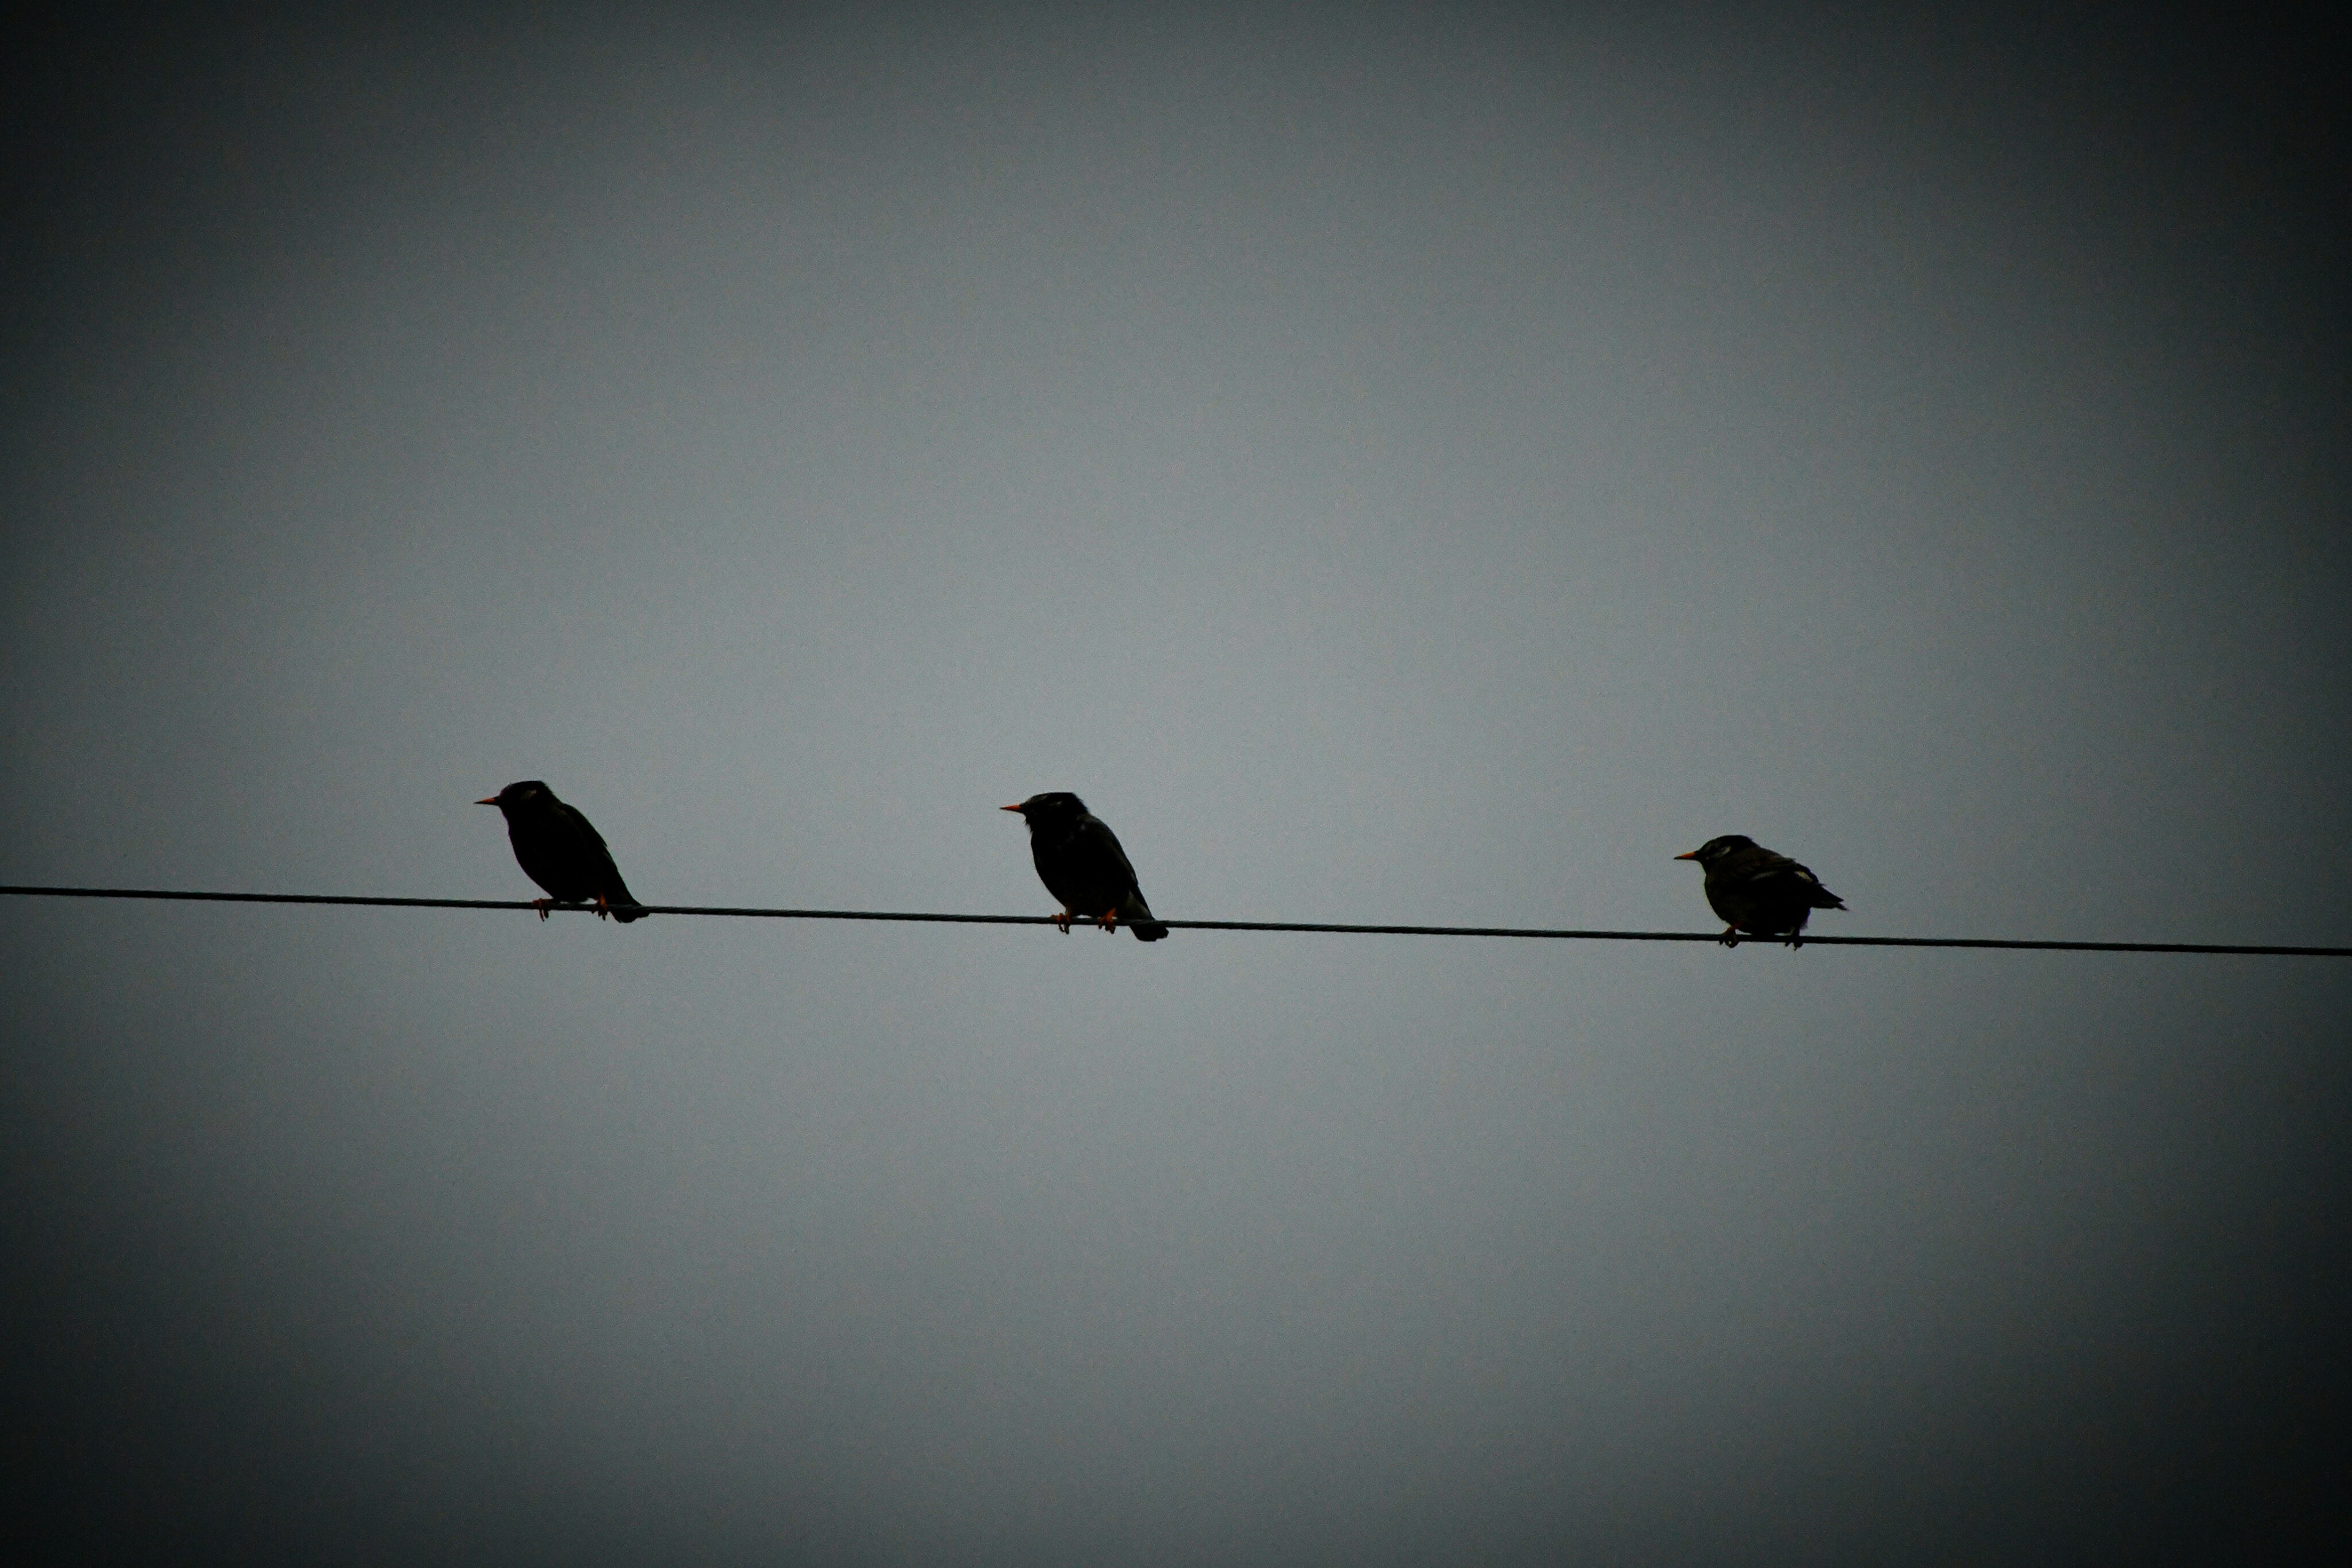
1758 891
1080 862
562 852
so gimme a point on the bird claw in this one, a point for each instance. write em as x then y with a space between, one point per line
1063 920
1110 920
542 905
603 909
1730 937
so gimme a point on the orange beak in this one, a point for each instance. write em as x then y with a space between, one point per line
1008 808
488 800
1689 854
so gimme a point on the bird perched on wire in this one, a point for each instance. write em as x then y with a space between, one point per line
1758 892
1080 862
559 851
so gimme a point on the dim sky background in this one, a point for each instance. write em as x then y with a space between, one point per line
1397 464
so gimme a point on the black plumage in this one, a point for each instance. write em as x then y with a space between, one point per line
1080 862
1758 891
562 852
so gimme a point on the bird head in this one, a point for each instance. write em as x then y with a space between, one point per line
1715 850
1053 805
522 792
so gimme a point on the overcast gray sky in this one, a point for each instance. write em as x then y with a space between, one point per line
1397 464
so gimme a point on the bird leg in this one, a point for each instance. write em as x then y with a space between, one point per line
1063 920
542 905
1730 937
603 909
1111 920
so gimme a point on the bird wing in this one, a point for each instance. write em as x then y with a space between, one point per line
1103 844
581 825
593 847
1763 867
1094 836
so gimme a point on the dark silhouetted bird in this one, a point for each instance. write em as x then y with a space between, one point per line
1758 892
562 852
1080 862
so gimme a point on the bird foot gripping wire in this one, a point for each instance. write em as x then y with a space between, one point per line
603 909
1730 938
1110 921
542 905
1063 920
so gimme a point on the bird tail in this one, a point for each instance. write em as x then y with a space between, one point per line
624 903
1136 915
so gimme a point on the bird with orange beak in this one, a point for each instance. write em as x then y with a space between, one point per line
1080 862
559 849
1758 892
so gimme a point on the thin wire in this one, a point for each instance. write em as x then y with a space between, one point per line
1549 936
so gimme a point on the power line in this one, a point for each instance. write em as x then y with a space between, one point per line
1539 934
